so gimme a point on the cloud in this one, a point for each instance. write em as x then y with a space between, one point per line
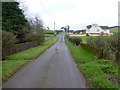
77 13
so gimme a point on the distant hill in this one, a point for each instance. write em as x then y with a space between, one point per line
114 26
115 29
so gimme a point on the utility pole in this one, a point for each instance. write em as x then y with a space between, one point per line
54 26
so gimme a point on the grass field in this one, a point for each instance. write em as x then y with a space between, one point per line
95 71
115 31
49 33
17 60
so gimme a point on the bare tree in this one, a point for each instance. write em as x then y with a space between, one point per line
36 32
66 28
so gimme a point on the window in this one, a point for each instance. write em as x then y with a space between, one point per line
98 30
105 29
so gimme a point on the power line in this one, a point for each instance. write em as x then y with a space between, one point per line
47 13
46 10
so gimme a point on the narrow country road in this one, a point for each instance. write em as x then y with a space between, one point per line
55 68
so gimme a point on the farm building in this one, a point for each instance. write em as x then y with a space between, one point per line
97 29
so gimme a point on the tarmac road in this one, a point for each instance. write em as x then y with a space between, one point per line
55 68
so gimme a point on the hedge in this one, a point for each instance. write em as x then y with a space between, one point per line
17 48
75 40
8 40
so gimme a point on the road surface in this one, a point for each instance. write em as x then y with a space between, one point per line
55 68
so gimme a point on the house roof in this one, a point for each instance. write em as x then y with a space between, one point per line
105 27
88 27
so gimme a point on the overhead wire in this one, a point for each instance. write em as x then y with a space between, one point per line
46 10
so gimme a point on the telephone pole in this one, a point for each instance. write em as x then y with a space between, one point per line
54 26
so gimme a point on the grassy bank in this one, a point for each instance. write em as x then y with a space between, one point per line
84 38
17 60
98 73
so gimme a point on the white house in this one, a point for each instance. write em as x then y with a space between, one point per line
97 29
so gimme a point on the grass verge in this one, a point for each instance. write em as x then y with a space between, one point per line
17 60
11 66
98 73
32 52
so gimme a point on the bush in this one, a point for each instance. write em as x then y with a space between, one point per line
98 43
75 40
33 34
108 47
8 40
114 45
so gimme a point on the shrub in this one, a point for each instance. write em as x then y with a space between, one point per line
99 43
8 40
0 44
114 45
34 35
75 40
108 47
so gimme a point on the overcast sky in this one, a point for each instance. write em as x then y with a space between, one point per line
76 13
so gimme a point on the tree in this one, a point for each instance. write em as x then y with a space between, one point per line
13 19
61 28
66 28
35 31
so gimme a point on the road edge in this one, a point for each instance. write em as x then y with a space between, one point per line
26 63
